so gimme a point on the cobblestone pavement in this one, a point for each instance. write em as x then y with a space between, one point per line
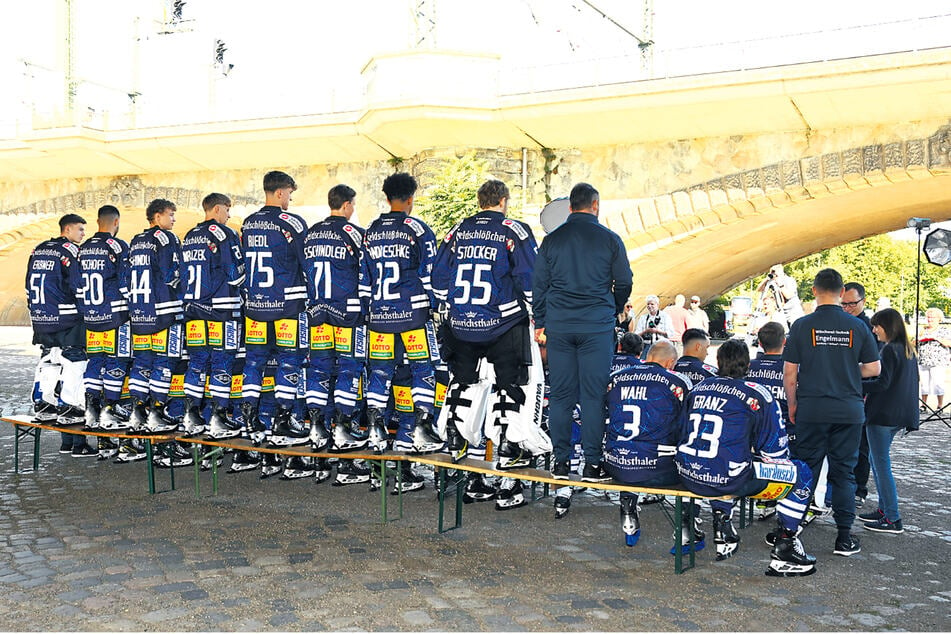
84 547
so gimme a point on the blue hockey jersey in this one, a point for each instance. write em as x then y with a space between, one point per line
103 300
484 272
726 421
395 275
694 369
53 280
273 242
213 265
155 281
622 361
645 407
767 370
332 251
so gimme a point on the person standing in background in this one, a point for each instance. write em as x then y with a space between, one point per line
678 321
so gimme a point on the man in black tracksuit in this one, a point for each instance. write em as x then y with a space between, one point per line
582 280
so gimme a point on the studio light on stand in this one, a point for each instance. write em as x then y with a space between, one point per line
919 225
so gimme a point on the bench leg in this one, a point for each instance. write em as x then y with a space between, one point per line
197 465
442 483
150 465
677 522
36 449
384 474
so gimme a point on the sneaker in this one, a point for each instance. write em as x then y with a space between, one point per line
873 516
725 537
563 502
84 451
512 456
510 495
477 489
560 470
594 473
789 558
884 526
847 546
66 449
630 522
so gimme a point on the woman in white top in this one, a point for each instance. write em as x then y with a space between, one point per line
934 355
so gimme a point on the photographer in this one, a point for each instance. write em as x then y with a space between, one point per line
654 324
783 289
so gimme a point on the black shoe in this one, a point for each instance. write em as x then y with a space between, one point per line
884 526
84 451
873 516
847 546
560 470
66 449
594 473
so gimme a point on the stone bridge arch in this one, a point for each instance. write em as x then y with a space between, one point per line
709 237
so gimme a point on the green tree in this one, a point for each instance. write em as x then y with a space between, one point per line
452 193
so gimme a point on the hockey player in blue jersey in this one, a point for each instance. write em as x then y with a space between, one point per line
275 298
630 345
483 272
736 444
692 364
213 265
53 280
155 307
398 254
337 337
645 404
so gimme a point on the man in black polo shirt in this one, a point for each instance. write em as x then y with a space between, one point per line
582 280
853 302
827 354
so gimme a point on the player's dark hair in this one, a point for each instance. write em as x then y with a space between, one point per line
771 336
340 194
276 180
894 326
156 207
828 280
631 343
582 197
399 186
108 212
858 288
733 359
71 219
491 193
693 334
208 202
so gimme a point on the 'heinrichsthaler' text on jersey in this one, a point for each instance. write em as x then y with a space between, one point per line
767 370
52 279
214 272
398 254
104 263
484 271
694 369
155 301
645 405
273 242
724 419
332 271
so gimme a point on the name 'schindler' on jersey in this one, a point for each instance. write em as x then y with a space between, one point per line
103 298
332 251
726 421
694 369
484 272
52 281
395 275
213 266
155 284
273 242
645 406
767 370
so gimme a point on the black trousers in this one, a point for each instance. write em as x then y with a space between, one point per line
840 443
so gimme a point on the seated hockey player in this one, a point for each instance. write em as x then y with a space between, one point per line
736 445
645 403
629 349
693 362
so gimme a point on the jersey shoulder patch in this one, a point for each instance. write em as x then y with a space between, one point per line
760 391
216 231
414 224
114 245
517 227
160 236
293 221
354 233
72 248
452 232
709 368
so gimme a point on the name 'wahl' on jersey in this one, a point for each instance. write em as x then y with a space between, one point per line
484 272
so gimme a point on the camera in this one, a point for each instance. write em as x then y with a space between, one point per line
771 275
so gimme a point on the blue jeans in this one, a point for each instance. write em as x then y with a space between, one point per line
879 455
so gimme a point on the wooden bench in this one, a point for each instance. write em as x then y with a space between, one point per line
26 427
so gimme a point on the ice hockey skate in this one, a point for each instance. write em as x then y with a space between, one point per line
765 509
562 502
93 412
70 415
44 412
351 472
131 450
407 480
377 434
699 538
456 444
271 464
512 456
321 470
206 462
174 455
110 420
724 535
140 417
287 431
244 461
221 426
108 448
343 439
789 558
159 422
630 522
194 424
319 436
510 495
425 439
298 467
477 489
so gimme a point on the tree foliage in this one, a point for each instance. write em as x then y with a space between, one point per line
451 195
